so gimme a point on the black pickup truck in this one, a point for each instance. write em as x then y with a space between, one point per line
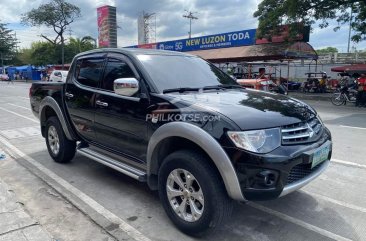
183 126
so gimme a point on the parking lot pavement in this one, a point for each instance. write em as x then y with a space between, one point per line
15 222
333 207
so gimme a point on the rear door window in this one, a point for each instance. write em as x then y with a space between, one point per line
88 71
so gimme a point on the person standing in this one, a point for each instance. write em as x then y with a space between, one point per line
323 84
360 98
10 80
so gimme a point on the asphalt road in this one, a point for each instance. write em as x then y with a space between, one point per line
333 207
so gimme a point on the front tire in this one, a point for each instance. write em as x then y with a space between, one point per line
192 192
59 147
338 99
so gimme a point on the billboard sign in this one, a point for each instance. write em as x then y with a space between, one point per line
103 26
224 40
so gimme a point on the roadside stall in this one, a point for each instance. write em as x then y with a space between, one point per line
247 55
349 73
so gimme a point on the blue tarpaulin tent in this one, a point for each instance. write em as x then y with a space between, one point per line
26 71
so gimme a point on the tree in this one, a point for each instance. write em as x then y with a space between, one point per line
43 53
274 13
8 43
327 50
78 45
82 44
57 14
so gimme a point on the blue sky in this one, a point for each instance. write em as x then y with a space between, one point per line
215 16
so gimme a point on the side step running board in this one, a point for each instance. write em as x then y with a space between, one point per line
121 167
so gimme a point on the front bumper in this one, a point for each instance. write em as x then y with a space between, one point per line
288 166
304 181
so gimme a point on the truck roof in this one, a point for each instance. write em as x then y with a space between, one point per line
135 51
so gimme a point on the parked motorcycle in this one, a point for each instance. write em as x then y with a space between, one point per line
344 94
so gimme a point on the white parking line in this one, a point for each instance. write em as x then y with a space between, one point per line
125 227
14 113
341 203
353 127
22 97
299 222
348 163
19 106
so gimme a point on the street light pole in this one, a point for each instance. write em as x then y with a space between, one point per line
190 15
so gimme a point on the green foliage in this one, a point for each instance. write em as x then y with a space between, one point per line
78 45
273 13
56 14
7 43
327 50
44 53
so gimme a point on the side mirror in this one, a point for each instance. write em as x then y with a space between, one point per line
126 86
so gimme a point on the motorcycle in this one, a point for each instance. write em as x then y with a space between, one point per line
344 94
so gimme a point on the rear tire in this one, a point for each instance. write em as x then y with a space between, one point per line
60 148
338 99
192 192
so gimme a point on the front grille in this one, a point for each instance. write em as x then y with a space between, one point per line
302 132
301 171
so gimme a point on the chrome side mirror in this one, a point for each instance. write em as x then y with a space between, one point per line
126 86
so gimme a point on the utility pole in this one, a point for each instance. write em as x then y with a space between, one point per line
16 43
191 17
350 28
2 64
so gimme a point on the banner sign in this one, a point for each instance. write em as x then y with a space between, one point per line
103 26
232 39
224 40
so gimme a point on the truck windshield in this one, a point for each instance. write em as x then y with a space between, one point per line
174 71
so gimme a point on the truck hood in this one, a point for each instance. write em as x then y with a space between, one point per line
249 109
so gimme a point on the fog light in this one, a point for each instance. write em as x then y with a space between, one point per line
267 178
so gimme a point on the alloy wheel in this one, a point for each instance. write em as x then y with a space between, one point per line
53 140
185 195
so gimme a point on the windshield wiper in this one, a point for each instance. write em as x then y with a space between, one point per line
180 90
218 87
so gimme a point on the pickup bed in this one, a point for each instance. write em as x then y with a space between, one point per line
183 126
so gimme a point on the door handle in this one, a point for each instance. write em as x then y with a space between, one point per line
67 94
104 104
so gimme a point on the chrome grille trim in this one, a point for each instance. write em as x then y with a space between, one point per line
295 136
294 129
302 132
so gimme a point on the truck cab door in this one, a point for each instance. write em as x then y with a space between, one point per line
120 121
80 94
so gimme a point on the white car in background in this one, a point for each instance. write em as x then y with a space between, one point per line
58 76
4 77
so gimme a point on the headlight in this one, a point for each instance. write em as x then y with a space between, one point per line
259 141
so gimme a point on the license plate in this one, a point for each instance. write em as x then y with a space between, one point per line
320 155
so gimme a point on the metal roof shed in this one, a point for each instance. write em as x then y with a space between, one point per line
263 52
